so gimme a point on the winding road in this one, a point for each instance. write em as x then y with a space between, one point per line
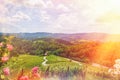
45 61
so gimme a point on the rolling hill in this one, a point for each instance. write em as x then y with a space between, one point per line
69 37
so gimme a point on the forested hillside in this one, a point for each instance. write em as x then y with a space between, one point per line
85 51
75 37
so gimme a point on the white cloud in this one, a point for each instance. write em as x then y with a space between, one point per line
6 16
41 4
70 22
35 3
50 4
3 9
82 17
61 15
44 16
20 16
16 3
62 7
27 3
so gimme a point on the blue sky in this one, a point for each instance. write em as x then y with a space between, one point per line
60 16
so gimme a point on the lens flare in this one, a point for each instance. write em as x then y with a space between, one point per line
108 51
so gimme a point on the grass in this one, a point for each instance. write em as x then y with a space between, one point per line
24 61
57 65
55 59
29 61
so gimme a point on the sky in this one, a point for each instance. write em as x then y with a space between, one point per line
60 16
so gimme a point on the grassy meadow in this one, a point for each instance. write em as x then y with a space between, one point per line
57 67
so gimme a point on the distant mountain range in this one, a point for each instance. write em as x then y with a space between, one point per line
69 37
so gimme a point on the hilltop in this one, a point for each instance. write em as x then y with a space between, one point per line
76 37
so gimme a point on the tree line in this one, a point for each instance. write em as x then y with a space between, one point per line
103 53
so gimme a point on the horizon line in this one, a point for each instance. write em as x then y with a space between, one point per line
59 32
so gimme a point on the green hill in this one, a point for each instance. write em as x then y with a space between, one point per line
57 68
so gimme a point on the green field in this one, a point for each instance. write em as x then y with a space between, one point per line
29 61
24 61
59 66
57 63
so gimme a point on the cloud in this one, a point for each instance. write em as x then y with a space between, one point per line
60 15
62 7
6 15
3 9
70 22
20 16
82 16
44 16
49 4
41 4
26 3
35 3
15 2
